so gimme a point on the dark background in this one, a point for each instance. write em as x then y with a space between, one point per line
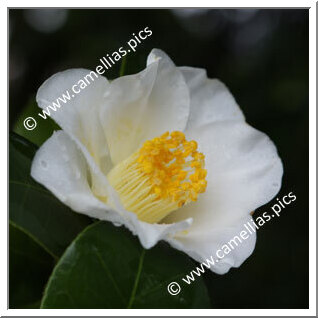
261 55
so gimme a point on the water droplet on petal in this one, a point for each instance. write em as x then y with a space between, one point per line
62 198
77 174
43 164
66 158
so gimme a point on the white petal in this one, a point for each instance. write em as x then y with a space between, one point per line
211 101
144 105
79 117
61 168
244 172
124 111
201 246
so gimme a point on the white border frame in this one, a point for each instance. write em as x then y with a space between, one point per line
312 161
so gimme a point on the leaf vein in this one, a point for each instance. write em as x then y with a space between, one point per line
134 290
110 276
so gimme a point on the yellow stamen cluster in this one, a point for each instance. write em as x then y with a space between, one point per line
174 166
166 173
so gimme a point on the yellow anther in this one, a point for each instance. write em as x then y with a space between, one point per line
166 173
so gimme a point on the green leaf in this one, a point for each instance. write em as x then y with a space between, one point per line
33 208
106 267
44 128
30 268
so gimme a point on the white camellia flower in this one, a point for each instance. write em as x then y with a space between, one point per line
165 152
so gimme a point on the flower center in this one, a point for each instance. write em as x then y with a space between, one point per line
166 173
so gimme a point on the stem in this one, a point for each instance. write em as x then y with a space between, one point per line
123 66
